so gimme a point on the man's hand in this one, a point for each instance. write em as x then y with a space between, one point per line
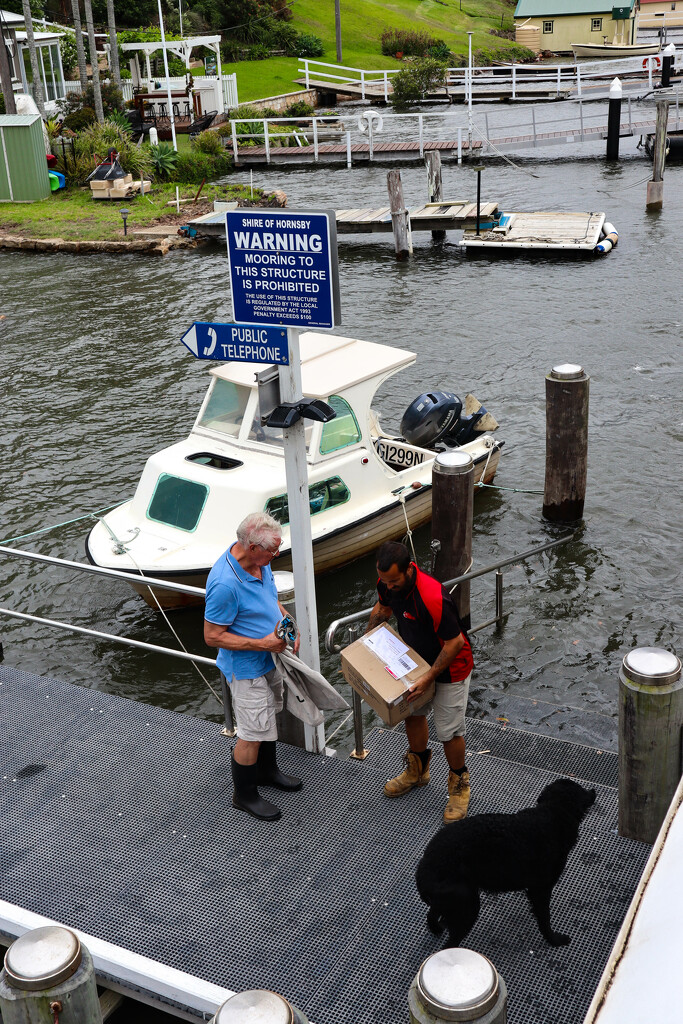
419 687
272 643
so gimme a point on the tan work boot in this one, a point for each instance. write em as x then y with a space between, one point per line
413 775
458 796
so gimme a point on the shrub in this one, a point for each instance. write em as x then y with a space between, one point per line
411 84
98 138
112 99
299 109
258 52
309 46
164 159
439 51
412 43
79 119
68 52
208 142
194 166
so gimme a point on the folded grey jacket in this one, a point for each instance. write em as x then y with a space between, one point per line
308 692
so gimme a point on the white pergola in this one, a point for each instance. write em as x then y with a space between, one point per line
181 48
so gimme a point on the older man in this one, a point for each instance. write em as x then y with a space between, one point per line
428 621
242 611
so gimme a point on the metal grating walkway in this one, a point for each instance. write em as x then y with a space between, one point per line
117 820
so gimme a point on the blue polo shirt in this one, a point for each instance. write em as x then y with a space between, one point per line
247 606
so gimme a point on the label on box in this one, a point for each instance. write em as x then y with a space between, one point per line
392 651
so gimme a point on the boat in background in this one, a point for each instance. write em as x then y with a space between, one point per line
365 485
615 51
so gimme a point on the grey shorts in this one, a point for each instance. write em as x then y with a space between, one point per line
448 705
255 703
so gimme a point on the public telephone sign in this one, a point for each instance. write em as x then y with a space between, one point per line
283 268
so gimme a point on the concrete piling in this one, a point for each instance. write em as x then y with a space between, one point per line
655 187
614 120
566 443
457 984
49 976
452 505
650 725
434 185
400 218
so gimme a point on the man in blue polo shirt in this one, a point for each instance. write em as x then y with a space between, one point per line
242 611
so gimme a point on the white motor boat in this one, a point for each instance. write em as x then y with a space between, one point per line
363 483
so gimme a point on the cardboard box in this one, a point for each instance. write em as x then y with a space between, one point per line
370 677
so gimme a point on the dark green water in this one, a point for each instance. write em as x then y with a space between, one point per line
94 379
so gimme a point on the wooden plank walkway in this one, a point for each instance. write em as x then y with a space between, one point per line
445 216
413 151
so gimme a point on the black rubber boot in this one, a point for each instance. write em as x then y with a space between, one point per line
268 772
246 796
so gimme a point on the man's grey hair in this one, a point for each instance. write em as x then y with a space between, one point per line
258 528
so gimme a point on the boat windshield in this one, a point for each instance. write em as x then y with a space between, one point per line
273 435
225 409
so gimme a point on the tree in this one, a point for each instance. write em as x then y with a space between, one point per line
78 31
94 61
412 84
113 45
33 54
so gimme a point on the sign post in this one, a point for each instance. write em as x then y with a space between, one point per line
283 271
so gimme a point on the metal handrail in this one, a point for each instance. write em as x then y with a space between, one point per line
96 570
333 648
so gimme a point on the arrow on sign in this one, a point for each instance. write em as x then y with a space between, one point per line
242 343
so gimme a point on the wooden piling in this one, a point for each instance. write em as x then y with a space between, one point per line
452 505
434 185
655 187
400 217
566 444
650 723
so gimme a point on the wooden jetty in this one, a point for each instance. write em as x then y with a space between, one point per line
453 92
148 855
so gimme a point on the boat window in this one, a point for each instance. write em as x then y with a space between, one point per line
342 431
321 496
177 502
224 411
214 461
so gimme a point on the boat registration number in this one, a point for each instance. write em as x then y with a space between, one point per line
399 455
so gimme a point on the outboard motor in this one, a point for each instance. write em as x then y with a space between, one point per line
436 420
429 417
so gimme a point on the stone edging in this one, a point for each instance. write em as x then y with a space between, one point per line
153 245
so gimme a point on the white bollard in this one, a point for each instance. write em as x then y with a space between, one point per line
260 1006
457 984
153 137
49 976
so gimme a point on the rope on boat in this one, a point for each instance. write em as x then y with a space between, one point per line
56 526
409 533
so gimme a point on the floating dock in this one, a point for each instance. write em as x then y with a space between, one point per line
542 231
118 821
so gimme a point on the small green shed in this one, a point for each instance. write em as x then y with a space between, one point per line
23 167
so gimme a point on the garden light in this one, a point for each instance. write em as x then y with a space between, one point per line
124 213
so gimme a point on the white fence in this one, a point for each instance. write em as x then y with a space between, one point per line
375 84
230 98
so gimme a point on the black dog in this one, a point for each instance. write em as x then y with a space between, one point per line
500 852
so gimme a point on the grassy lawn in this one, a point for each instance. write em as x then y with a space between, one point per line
73 214
363 22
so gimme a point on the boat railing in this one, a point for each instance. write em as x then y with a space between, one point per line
353 625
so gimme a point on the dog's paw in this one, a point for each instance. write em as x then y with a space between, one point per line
434 922
558 939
